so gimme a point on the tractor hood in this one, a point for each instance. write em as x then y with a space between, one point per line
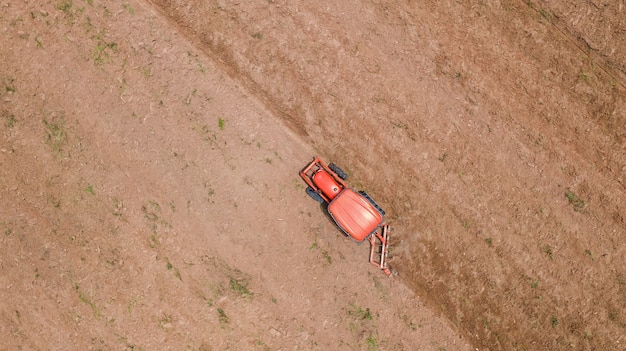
354 214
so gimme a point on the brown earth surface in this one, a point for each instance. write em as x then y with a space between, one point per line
151 200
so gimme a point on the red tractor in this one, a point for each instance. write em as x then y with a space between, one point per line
354 212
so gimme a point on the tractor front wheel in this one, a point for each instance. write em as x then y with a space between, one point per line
314 195
341 174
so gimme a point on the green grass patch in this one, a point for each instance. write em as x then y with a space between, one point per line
9 86
131 305
554 322
154 241
327 256
409 323
222 317
88 301
170 267
547 249
372 343
56 135
9 120
577 203
70 12
210 192
151 211
65 6
89 189
206 133
360 313
129 8
240 287
466 224
166 321
103 50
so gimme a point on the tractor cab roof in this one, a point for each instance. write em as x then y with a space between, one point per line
355 215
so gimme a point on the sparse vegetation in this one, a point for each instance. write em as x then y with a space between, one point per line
9 85
70 12
88 301
65 6
409 323
325 254
207 134
400 125
170 267
129 8
194 58
89 189
547 249
380 288
56 135
372 343
574 200
240 287
209 191
583 76
166 321
9 120
131 305
360 313
152 213
554 322
466 224
103 50
262 345
222 317
298 184
154 241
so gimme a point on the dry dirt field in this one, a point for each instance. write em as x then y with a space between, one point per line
150 197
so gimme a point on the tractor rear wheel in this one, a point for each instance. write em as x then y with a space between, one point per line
314 195
341 174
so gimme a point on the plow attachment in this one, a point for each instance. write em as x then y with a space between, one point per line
379 247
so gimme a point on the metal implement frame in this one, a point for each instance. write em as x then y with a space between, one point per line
382 254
